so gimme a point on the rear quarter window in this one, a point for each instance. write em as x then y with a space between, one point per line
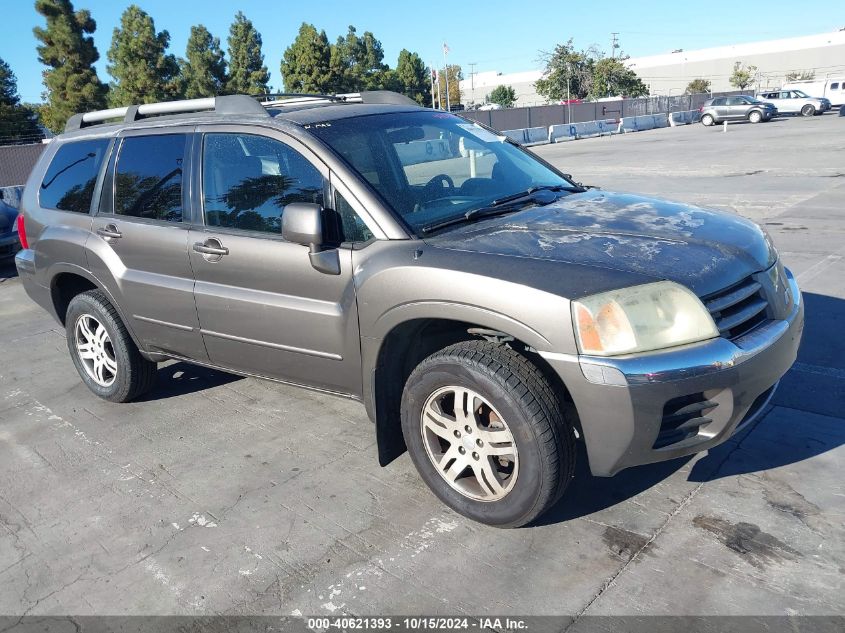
69 182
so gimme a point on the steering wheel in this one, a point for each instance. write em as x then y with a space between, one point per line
438 180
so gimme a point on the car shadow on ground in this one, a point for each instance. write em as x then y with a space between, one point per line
806 420
180 379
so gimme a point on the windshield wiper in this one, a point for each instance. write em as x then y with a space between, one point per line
505 204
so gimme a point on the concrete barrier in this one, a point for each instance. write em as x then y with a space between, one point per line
644 122
424 151
684 117
529 135
572 131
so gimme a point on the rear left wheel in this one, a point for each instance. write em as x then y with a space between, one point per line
104 354
485 431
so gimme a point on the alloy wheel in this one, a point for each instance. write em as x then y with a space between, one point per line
469 443
95 350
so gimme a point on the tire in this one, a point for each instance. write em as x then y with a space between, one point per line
707 120
808 110
104 354
514 414
755 116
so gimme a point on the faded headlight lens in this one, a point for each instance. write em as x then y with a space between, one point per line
640 319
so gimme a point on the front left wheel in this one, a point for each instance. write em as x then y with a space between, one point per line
104 354
486 433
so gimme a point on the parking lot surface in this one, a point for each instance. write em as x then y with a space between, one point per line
225 495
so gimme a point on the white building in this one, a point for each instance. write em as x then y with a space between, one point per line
669 73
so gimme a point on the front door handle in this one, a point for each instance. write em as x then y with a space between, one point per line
211 247
109 230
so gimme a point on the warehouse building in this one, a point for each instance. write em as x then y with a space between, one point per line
668 74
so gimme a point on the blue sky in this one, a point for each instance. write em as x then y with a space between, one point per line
499 35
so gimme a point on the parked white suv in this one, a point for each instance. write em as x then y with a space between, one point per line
794 101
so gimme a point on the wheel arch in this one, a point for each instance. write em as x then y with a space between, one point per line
68 281
393 356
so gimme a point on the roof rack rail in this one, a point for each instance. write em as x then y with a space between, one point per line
226 104
366 96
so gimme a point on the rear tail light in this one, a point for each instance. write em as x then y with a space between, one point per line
22 231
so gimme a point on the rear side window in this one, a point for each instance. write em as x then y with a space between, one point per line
69 182
248 180
148 177
718 102
834 85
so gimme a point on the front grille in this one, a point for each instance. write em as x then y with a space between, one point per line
682 418
738 309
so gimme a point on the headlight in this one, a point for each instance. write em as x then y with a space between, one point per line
639 319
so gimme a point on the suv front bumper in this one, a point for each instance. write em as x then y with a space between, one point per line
628 406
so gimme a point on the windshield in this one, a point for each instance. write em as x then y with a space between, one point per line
431 167
801 93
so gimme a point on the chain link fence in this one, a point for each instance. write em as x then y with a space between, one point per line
544 116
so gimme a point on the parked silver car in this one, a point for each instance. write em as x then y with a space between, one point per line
739 108
795 102
488 311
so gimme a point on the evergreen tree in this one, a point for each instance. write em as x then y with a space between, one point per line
247 72
306 65
413 77
357 62
203 69
568 73
68 51
17 122
143 72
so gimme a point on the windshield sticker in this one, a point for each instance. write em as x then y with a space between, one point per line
481 134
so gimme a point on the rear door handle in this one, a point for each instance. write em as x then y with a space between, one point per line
109 230
208 248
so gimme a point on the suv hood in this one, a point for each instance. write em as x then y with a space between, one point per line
702 249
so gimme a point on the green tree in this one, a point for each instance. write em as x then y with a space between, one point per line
698 86
505 96
611 77
247 72
742 76
203 69
568 73
142 69
357 63
17 122
306 63
67 49
455 77
804 75
412 77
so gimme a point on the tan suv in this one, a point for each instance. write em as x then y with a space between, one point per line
486 310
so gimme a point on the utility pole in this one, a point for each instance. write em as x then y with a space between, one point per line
614 44
472 66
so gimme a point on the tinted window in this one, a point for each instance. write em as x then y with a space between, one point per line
834 86
148 178
718 102
248 180
353 228
69 182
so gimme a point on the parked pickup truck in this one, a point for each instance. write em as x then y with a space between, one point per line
487 310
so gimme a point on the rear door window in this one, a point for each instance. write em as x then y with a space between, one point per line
148 177
69 182
834 85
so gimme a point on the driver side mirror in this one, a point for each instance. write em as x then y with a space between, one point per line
302 223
